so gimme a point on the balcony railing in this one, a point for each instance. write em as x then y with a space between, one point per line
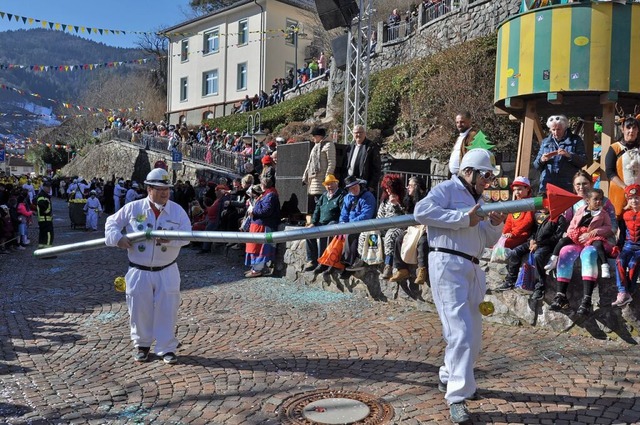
231 162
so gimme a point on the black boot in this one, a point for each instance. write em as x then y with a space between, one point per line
587 291
560 301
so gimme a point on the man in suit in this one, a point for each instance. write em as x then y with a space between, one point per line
363 159
463 124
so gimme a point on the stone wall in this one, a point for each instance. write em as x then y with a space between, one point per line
511 307
121 159
470 21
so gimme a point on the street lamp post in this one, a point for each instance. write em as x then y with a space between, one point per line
254 133
294 36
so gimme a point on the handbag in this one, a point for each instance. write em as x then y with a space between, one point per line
409 249
500 253
372 252
332 254
526 281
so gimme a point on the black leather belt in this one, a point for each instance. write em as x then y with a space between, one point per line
150 269
471 258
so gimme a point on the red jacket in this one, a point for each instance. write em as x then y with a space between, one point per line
520 225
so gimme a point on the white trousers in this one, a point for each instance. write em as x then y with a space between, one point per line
458 287
153 299
116 203
92 219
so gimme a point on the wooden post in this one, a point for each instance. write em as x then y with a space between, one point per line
608 134
525 142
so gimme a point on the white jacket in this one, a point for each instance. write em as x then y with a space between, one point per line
448 227
137 216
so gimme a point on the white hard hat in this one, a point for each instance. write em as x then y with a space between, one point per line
479 159
158 177
135 185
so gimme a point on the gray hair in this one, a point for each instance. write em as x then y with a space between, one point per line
562 119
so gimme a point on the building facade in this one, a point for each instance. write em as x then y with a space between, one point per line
218 59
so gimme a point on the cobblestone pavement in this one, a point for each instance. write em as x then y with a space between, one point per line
250 344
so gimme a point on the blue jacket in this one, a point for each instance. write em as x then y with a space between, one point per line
560 170
266 210
362 207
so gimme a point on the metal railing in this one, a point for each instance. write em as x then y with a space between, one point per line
431 180
437 9
426 13
231 162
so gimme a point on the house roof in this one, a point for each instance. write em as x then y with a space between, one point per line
304 4
19 162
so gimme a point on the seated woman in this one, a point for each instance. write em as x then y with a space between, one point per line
416 190
265 218
587 239
582 185
390 206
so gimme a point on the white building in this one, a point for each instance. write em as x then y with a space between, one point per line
217 59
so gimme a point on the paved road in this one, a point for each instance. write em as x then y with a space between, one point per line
250 345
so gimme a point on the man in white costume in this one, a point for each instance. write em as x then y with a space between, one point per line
119 192
456 241
132 193
93 209
153 279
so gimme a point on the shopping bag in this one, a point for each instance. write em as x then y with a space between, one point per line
372 252
409 249
500 253
526 281
331 256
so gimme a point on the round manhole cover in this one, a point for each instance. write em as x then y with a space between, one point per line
335 407
336 411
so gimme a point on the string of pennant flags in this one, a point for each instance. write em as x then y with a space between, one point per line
68 68
81 29
105 64
68 105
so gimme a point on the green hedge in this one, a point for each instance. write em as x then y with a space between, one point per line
297 109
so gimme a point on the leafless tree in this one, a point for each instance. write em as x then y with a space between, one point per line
155 47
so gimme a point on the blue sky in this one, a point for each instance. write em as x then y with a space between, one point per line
126 15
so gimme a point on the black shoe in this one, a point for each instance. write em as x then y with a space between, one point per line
328 272
170 358
141 354
311 266
320 269
560 302
585 306
538 294
505 287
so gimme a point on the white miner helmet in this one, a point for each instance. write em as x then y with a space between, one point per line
158 177
479 159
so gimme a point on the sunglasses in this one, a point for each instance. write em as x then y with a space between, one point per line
554 118
485 174
633 191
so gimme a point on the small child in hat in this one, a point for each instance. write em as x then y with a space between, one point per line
517 230
628 262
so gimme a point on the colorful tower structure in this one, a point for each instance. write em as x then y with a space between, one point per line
578 59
